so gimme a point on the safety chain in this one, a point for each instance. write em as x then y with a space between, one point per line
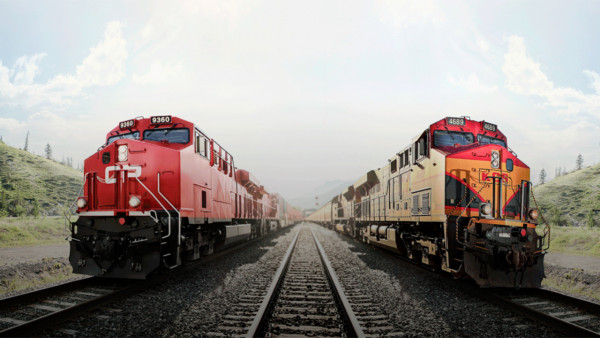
547 228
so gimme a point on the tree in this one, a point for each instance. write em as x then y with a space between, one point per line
579 162
16 208
590 219
555 217
48 151
3 204
542 176
35 208
26 148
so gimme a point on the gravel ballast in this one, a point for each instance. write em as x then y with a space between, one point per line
417 304
198 303
190 305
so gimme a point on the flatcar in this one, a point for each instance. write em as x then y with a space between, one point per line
160 192
457 199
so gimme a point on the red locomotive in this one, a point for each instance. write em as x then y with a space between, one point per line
159 192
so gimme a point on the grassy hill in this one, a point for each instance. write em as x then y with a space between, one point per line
569 199
33 185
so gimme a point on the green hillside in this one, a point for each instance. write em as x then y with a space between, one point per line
572 198
33 185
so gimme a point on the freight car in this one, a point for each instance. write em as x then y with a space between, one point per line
160 192
457 199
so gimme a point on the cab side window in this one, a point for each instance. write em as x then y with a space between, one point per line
201 144
421 147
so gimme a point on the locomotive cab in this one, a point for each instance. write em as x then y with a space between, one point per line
488 207
129 220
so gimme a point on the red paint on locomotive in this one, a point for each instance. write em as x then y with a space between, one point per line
178 195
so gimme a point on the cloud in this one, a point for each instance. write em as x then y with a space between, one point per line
26 68
9 124
483 45
472 84
104 66
158 73
525 77
405 13
595 85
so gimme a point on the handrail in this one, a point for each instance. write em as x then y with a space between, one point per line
161 205
172 206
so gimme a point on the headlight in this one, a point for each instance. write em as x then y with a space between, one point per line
122 157
134 201
533 214
485 209
81 202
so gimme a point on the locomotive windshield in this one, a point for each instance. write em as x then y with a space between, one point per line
170 135
448 138
483 140
132 136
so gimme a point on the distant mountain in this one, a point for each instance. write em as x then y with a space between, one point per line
33 185
324 193
574 195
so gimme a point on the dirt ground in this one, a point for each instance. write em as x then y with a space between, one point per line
590 265
572 274
24 254
32 267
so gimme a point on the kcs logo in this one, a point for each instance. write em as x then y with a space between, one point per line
486 175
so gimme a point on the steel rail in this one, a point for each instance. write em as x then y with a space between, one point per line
563 326
260 318
555 323
355 330
38 324
561 297
46 321
7 303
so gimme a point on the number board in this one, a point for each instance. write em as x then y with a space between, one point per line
160 119
489 126
127 124
456 121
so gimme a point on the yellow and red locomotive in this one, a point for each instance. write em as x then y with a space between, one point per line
457 199
160 192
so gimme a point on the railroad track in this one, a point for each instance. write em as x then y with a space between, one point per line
31 312
304 298
566 314
569 315
307 299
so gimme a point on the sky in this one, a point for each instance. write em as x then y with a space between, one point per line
304 92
